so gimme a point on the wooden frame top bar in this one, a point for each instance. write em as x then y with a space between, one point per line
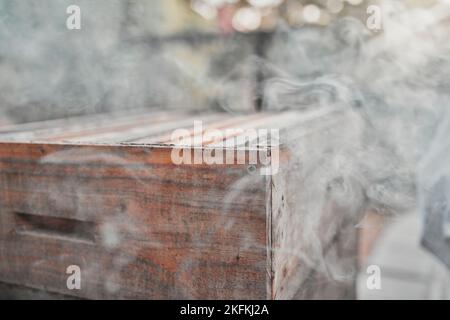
154 127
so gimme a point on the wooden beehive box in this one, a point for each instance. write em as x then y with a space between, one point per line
102 193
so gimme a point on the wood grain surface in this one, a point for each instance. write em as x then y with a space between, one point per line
146 228
103 193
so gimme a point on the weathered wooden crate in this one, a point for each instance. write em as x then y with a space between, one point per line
103 193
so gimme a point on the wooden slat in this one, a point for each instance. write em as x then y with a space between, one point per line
27 131
223 124
164 231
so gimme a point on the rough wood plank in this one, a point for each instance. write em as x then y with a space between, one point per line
314 239
162 231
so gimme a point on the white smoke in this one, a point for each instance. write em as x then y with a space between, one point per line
394 86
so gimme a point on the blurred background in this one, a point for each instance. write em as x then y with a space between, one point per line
133 54
242 56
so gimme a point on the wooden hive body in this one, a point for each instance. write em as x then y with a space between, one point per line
103 193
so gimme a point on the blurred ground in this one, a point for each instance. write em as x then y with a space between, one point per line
408 271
